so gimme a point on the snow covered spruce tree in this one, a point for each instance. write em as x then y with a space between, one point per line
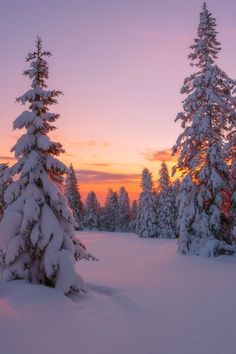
207 111
123 213
110 211
37 240
146 222
166 222
74 197
3 186
92 212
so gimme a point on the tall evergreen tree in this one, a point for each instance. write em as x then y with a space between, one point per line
146 224
37 240
164 177
123 217
207 112
110 211
92 212
166 222
3 186
74 197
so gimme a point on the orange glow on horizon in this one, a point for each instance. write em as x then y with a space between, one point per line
101 190
105 175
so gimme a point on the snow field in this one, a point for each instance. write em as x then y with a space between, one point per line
142 297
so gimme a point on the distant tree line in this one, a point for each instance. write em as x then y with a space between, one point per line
153 215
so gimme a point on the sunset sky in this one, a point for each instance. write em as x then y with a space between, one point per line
120 65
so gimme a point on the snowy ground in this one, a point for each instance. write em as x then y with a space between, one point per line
143 298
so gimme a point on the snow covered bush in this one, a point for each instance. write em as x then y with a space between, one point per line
146 221
37 239
74 197
208 110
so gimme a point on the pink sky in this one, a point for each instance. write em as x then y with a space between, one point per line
120 65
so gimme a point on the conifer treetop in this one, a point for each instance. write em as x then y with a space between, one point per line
34 72
206 46
164 178
35 145
146 181
38 97
146 221
209 107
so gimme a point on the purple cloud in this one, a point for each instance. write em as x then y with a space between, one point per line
101 176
